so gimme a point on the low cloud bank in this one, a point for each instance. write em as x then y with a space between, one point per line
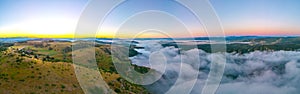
252 73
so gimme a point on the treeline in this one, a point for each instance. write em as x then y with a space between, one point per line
245 48
4 46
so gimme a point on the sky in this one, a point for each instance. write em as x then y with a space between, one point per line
58 18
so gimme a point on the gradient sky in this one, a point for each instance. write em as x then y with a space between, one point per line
259 17
58 18
39 18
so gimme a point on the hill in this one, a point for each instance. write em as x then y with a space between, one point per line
46 67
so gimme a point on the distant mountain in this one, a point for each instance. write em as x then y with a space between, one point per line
13 40
109 40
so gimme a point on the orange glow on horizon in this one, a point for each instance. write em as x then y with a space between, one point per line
261 32
236 32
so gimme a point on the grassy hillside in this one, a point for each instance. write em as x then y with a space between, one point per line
26 75
36 67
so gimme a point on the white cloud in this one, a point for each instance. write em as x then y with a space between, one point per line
253 73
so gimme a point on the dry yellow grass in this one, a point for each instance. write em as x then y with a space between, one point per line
29 75
36 76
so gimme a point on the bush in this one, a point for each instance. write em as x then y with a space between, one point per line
62 86
22 80
117 90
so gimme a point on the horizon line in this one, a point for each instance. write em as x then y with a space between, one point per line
155 38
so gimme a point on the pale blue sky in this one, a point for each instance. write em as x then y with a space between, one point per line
239 17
